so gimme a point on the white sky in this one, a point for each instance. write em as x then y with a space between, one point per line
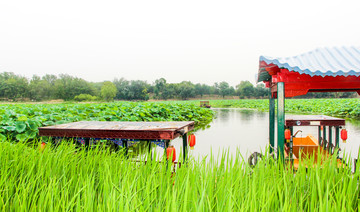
200 41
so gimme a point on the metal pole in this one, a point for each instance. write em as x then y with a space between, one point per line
291 145
149 149
166 142
125 145
185 146
337 139
280 119
324 137
87 143
319 134
271 122
330 139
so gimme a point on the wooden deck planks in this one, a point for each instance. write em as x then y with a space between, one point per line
313 120
130 130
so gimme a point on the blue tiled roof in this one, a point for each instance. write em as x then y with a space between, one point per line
343 61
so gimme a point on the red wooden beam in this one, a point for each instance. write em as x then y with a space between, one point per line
297 84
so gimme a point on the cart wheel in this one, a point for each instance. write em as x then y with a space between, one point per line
254 157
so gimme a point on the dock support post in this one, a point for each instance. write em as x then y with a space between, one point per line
166 145
52 141
87 143
291 143
125 145
324 138
337 139
185 146
271 122
280 119
330 140
149 149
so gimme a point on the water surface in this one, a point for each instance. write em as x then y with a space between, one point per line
248 131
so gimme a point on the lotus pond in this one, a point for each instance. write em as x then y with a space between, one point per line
21 121
70 178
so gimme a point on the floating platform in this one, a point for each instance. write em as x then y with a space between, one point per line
123 130
123 133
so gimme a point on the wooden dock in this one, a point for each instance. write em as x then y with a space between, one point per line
141 131
124 130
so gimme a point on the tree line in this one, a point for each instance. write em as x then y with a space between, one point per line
19 88
14 87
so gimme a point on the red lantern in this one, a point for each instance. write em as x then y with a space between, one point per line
287 134
42 146
171 153
344 135
192 141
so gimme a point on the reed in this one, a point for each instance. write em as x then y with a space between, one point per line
67 178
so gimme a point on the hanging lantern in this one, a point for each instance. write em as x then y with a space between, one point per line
192 141
287 135
344 135
171 153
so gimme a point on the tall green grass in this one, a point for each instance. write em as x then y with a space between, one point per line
67 178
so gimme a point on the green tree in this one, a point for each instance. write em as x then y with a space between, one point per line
108 91
202 89
245 89
138 90
261 91
13 86
122 86
38 88
170 91
225 89
186 89
67 87
160 89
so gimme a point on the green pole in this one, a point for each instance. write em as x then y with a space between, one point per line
324 138
280 119
271 122
337 140
125 145
291 144
330 139
149 149
185 146
166 145
87 143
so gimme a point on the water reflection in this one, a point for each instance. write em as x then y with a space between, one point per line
246 115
